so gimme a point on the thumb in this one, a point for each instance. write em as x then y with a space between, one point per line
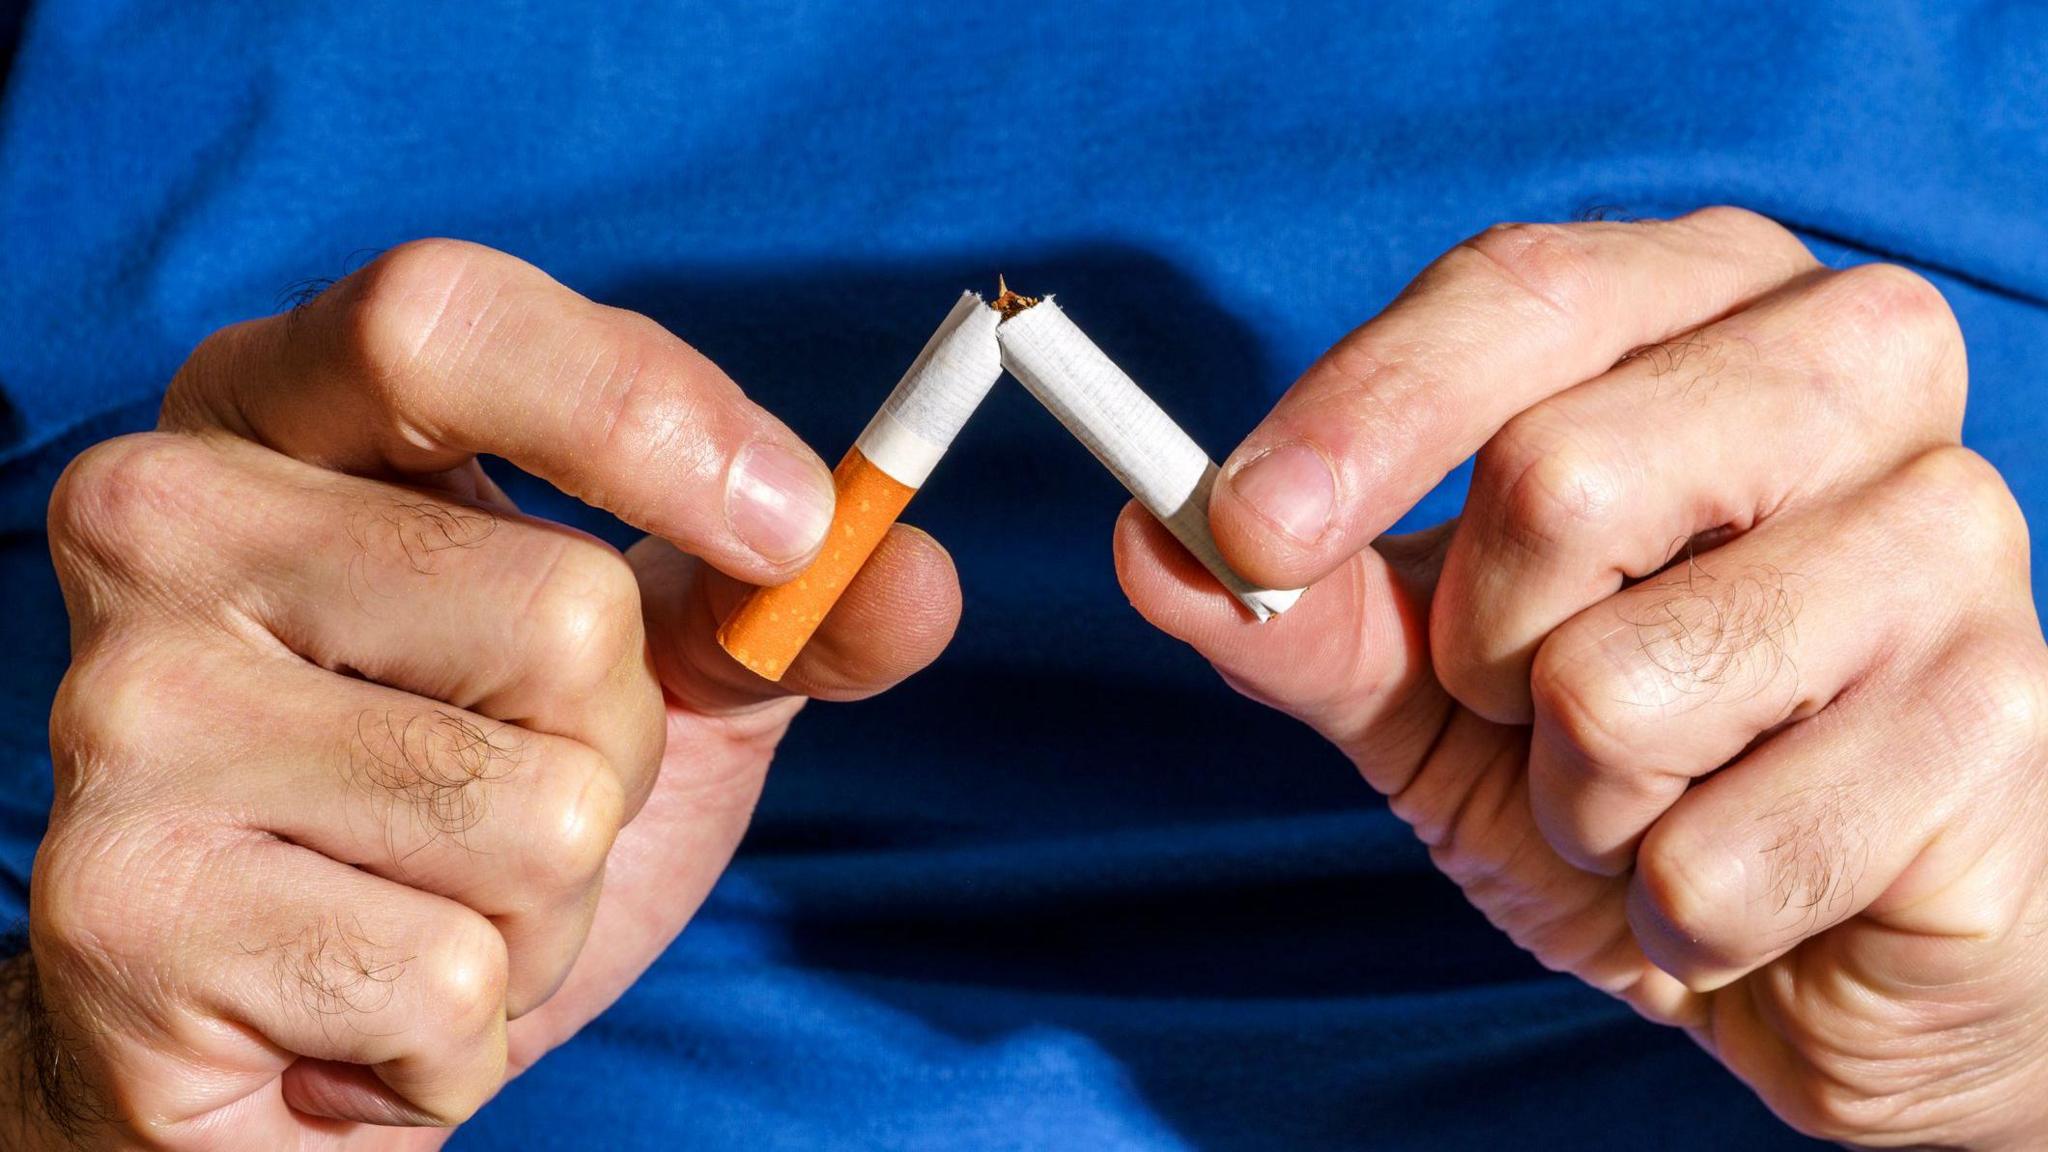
1351 659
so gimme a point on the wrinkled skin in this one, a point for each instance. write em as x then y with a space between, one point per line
371 790
1725 693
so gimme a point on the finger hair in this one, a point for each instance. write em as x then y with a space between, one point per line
333 967
435 763
1598 213
1706 631
297 295
415 530
49 1084
1814 859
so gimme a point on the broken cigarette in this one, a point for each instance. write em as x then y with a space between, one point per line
1105 409
1159 463
886 466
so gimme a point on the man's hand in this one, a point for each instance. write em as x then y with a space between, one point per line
348 744
1725 693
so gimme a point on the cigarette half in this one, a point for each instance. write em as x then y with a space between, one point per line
876 479
1134 438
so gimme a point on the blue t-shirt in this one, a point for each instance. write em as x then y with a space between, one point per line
1029 900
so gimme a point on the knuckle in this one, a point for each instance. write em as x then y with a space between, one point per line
1689 892
2008 915
1458 652
1887 316
636 409
583 620
463 974
1963 503
1477 643
188 402
1548 491
1367 382
399 306
1754 229
1893 297
122 496
1581 705
1551 262
80 910
1697 637
1732 218
108 714
1998 708
577 827
1808 865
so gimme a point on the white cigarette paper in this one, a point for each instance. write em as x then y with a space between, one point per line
943 387
1139 443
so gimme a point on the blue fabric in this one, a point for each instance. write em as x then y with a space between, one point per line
1026 901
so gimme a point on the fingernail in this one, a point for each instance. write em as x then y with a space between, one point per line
1289 487
778 502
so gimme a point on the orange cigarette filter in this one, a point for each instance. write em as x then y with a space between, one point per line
873 483
774 623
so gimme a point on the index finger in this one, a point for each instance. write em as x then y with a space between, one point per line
1509 317
441 350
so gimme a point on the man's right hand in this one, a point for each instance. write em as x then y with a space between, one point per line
348 744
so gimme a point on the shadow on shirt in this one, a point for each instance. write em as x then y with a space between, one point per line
1070 835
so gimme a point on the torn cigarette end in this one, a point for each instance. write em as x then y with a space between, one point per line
773 624
1010 303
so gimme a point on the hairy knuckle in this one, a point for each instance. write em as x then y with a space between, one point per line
1704 634
440 762
584 618
1551 262
401 527
1808 863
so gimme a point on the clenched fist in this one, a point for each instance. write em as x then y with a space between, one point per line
1726 692
370 790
